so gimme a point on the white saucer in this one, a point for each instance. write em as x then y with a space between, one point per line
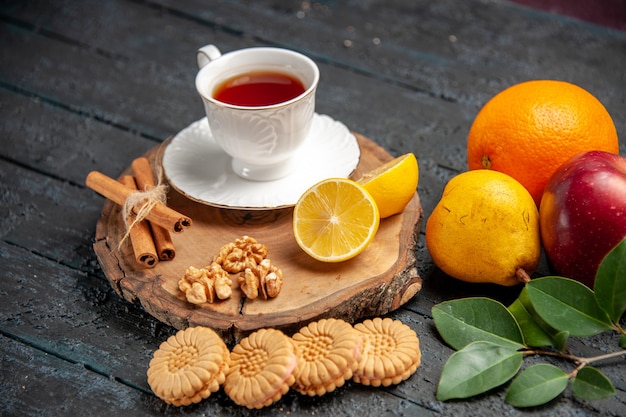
198 168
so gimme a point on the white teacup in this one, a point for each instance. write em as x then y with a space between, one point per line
261 139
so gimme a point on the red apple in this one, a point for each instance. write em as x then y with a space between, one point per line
583 213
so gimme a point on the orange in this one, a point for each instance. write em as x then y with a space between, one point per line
335 220
393 184
528 130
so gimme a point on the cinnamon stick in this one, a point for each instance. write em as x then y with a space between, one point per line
145 181
140 235
160 214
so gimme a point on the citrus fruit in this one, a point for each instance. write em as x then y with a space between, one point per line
335 220
392 184
528 130
485 228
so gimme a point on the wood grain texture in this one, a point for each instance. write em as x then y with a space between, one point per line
378 281
90 85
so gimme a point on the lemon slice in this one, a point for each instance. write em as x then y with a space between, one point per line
335 220
393 184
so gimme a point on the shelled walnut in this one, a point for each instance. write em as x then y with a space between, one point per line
204 285
234 256
246 257
222 282
264 279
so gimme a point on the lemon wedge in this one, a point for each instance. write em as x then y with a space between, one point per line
393 184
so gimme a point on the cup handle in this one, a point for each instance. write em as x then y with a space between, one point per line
207 54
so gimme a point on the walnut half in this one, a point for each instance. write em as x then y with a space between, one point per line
235 256
204 285
264 279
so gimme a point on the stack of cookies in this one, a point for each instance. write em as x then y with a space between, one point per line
264 366
189 366
262 369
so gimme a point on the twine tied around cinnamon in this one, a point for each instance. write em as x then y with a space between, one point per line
155 211
140 203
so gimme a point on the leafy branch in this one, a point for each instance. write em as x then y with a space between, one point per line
578 360
491 340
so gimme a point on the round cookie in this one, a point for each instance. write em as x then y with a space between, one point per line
391 352
261 369
328 352
188 366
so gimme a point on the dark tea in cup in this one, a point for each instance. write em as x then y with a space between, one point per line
260 104
258 88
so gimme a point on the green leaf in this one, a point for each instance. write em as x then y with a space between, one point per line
591 384
477 368
560 339
610 283
466 320
533 334
622 342
536 331
567 305
536 385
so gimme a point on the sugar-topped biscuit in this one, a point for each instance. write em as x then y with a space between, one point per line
188 366
261 369
390 354
328 352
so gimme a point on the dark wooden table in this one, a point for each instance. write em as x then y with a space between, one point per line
90 85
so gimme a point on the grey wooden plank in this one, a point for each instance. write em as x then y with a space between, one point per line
462 51
107 66
473 36
35 383
45 215
77 318
48 216
381 112
74 316
63 143
91 143
424 105
242 26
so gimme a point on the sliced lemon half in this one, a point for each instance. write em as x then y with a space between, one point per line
335 220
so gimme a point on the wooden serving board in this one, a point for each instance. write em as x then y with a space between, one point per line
377 281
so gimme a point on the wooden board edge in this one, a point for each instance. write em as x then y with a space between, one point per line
403 282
